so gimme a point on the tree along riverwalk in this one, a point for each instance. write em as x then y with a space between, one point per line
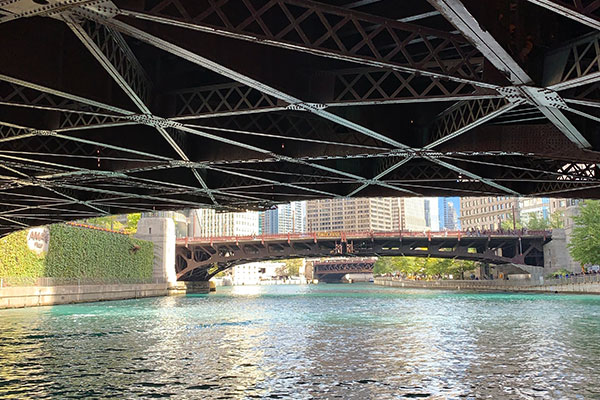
575 284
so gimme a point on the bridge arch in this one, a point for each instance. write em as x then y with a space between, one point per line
199 259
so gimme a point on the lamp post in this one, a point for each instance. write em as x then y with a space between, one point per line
514 218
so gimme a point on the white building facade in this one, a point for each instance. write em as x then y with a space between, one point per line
415 214
529 206
255 273
208 223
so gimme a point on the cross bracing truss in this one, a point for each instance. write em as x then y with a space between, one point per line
583 11
574 64
244 104
325 30
380 86
356 86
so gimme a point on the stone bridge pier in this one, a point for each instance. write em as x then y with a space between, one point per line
161 232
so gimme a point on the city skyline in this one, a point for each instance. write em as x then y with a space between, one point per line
378 214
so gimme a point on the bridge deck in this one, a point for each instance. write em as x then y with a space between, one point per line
240 105
345 236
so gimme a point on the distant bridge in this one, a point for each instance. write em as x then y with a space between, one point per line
198 259
334 270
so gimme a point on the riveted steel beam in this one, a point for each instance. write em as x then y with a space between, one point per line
577 10
458 15
111 50
317 28
574 64
464 116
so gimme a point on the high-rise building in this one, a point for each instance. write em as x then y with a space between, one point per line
528 206
269 222
432 219
561 205
285 218
566 210
415 214
208 223
353 214
449 208
295 218
450 217
487 212
261 223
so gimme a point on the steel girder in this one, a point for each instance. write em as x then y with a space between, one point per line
323 30
341 266
370 86
220 100
584 11
546 100
349 87
112 51
574 64
464 116
173 124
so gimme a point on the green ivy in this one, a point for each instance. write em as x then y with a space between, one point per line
17 260
76 252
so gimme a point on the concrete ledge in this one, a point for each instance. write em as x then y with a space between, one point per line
16 297
489 286
182 287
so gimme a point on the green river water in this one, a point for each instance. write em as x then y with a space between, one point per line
356 341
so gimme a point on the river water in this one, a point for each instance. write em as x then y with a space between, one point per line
303 342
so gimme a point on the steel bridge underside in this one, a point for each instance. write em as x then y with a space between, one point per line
121 106
201 261
334 271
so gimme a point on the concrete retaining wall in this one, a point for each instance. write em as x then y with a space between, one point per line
15 297
494 286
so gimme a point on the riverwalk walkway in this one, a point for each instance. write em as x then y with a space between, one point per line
575 284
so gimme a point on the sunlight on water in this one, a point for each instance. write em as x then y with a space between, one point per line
304 342
251 290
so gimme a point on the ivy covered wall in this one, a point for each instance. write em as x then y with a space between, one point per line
76 252
17 260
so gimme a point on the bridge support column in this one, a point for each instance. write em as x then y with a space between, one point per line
161 232
556 252
537 273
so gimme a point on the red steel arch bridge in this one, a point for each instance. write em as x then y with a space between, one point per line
198 259
111 107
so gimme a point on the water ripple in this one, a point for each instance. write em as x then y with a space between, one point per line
320 341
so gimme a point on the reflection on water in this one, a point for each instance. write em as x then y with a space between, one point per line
303 342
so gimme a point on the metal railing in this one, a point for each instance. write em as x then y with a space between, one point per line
452 283
22 281
572 279
365 234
